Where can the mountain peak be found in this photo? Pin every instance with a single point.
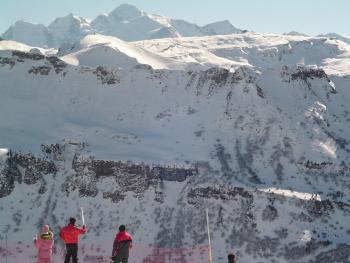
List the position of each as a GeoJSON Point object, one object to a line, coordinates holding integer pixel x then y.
{"type": "Point", "coordinates": [220, 28]}
{"type": "Point", "coordinates": [70, 18]}
{"type": "Point", "coordinates": [21, 22]}
{"type": "Point", "coordinates": [28, 33]}
{"type": "Point", "coordinates": [126, 12]}
{"type": "Point", "coordinates": [295, 33]}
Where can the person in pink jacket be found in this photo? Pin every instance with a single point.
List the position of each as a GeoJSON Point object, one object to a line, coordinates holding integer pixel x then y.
{"type": "Point", "coordinates": [44, 244]}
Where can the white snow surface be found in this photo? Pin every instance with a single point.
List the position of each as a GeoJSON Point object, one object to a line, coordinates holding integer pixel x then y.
{"type": "Point", "coordinates": [96, 50]}
{"type": "Point", "coordinates": [266, 112]}
{"type": "Point", "coordinates": [292, 194]}
{"type": "Point", "coordinates": [75, 100]}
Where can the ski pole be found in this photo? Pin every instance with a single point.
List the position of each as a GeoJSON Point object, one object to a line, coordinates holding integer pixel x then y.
{"type": "Point", "coordinates": [82, 216]}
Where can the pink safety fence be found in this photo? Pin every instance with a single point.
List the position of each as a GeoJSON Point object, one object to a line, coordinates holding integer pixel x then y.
{"type": "Point", "coordinates": [93, 253]}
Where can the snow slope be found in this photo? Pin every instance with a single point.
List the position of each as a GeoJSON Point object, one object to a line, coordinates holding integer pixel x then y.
{"type": "Point", "coordinates": [253, 126]}
{"type": "Point", "coordinates": [99, 50]}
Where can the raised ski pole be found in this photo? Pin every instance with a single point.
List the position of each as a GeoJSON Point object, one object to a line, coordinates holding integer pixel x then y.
{"type": "Point", "coordinates": [82, 216]}
{"type": "Point", "coordinates": [209, 241]}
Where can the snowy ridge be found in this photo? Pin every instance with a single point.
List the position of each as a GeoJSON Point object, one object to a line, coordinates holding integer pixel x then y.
{"type": "Point", "coordinates": [99, 50]}
{"type": "Point", "coordinates": [256, 50]}
{"type": "Point", "coordinates": [295, 33]}
{"type": "Point", "coordinates": [345, 39]}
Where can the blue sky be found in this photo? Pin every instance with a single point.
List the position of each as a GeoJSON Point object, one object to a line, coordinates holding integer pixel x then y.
{"type": "Point", "coordinates": [277, 16]}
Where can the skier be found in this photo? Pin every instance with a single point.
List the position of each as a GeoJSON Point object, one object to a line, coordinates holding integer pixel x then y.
{"type": "Point", "coordinates": [44, 244]}
{"type": "Point", "coordinates": [70, 236]}
{"type": "Point", "coordinates": [231, 258]}
{"type": "Point", "coordinates": [121, 246]}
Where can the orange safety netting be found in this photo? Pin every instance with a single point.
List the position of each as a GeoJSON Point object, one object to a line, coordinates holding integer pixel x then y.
{"type": "Point", "coordinates": [93, 253]}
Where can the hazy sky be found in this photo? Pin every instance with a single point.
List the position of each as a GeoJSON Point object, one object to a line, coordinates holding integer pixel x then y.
{"type": "Point", "coordinates": [277, 16]}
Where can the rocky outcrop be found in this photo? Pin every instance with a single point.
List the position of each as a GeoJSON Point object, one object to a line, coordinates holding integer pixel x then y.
{"type": "Point", "coordinates": [23, 168]}
{"type": "Point", "coordinates": [42, 70]}
{"type": "Point", "coordinates": [215, 78]}
{"type": "Point", "coordinates": [7, 61]}
{"type": "Point", "coordinates": [106, 76]}
{"type": "Point", "coordinates": [27, 55]}
{"type": "Point", "coordinates": [57, 64]}
{"type": "Point", "coordinates": [196, 195]}
{"type": "Point", "coordinates": [308, 73]}
{"type": "Point", "coordinates": [128, 177]}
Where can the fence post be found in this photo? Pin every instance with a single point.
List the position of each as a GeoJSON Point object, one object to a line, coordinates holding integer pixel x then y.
{"type": "Point", "coordinates": [209, 241]}
{"type": "Point", "coordinates": [6, 248]}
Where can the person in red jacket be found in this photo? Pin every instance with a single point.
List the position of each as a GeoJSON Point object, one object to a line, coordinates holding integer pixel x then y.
{"type": "Point", "coordinates": [70, 236]}
{"type": "Point", "coordinates": [121, 246]}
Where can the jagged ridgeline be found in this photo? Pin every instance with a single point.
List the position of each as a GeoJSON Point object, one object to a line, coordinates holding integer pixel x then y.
{"type": "Point", "coordinates": [253, 127]}
{"type": "Point", "coordinates": [125, 22]}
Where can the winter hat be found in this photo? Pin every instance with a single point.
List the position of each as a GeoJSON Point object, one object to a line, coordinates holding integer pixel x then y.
{"type": "Point", "coordinates": [122, 228]}
{"type": "Point", "coordinates": [72, 220]}
{"type": "Point", "coordinates": [45, 229]}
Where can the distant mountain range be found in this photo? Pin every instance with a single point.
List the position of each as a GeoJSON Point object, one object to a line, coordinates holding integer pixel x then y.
{"type": "Point", "coordinates": [345, 39]}
{"type": "Point", "coordinates": [125, 22]}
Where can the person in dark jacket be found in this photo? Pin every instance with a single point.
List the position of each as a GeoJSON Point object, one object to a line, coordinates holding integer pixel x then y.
{"type": "Point", "coordinates": [231, 258]}
{"type": "Point", "coordinates": [121, 246]}
{"type": "Point", "coordinates": [70, 236]}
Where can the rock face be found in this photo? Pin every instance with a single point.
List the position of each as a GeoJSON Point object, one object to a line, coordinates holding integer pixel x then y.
{"type": "Point", "coordinates": [135, 178]}
{"type": "Point", "coordinates": [238, 216]}
{"type": "Point", "coordinates": [24, 168]}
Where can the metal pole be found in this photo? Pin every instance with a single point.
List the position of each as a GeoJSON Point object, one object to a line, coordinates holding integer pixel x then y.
{"type": "Point", "coordinates": [6, 248]}
{"type": "Point", "coordinates": [209, 241]}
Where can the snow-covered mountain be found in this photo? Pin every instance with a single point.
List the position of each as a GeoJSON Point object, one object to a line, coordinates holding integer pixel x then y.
{"type": "Point", "coordinates": [69, 29]}
{"type": "Point", "coordinates": [219, 28]}
{"type": "Point", "coordinates": [343, 38]}
{"type": "Point", "coordinates": [253, 126]}
{"type": "Point", "coordinates": [28, 33]}
{"type": "Point", "coordinates": [295, 33]}
{"type": "Point", "coordinates": [125, 22]}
